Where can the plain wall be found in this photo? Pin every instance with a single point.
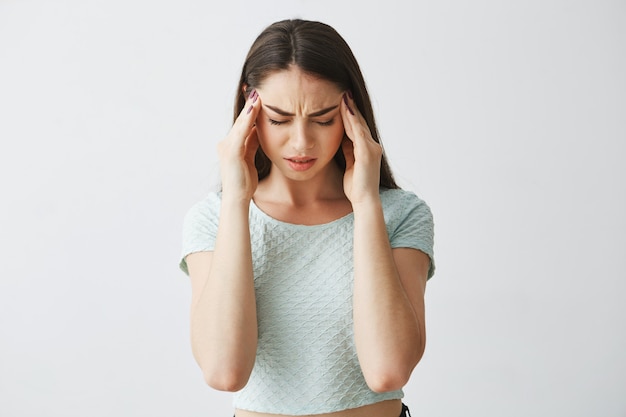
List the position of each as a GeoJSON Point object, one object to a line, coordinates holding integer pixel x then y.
{"type": "Point", "coordinates": [508, 118]}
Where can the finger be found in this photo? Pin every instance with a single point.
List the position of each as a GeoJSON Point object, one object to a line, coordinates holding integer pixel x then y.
{"type": "Point", "coordinates": [247, 117]}
{"type": "Point", "coordinates": [354, 123]}
{"type": "Point", "coordinates": [349, 106]}
{"type": "Point", "coordinates": [345, 117]}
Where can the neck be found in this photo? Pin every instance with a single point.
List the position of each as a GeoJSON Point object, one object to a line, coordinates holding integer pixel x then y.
{"type": "Point", "coordinates": [280, 189]}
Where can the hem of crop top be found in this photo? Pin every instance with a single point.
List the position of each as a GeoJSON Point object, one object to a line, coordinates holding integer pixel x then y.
{"type": "Point", "coordinates": [362, 402]}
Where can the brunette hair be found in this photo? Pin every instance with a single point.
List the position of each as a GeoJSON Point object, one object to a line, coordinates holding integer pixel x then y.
{"type": "Point", "coordinates": [317, 49]}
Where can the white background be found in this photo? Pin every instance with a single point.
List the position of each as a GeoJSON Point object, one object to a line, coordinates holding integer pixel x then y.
{"type": "Point", "coordinates": [508, 118]}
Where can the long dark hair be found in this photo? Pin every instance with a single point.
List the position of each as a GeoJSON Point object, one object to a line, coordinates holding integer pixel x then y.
{"type": "Point", "coordinates": [316, 48]}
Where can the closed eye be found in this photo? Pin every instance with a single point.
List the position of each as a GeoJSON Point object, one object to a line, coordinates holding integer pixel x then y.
{"type": "Point", "coordinates": [276, 122]}
{"type": "Point", "coordinates": [327, 123]}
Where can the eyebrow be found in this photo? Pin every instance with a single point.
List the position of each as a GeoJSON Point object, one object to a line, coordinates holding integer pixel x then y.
{"type": "Point", "coordinates": [314, 114]}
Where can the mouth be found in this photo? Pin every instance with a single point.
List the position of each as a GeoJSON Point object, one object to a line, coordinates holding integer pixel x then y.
{"type": "Point", "coordinates": [300, 163]}
{"type": "Point", "coordinates": [300, 160]}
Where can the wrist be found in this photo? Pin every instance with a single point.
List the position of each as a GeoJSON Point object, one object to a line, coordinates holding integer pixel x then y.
{"type": "Point", "coordinates": [367, 203]}
{"type": "Point", "coordinates": [235, 203]}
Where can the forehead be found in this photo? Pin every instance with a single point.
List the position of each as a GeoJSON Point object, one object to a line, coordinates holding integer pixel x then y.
{"type": "Point", "coordinates": [294, 83]}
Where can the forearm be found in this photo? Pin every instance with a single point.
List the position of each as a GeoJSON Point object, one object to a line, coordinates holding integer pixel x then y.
{"type": "Point", "coordinates": [224, 322]}
{"type": "Point", "coordinates": [388, 333]}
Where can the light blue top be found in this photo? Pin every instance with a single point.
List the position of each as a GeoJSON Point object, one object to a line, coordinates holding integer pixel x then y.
{"type": "Point", "coordinates": [303, 276]}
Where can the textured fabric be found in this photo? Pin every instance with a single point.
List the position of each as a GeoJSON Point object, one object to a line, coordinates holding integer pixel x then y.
{"type": "Point", "coordinates": [404, 413]}
{"type": "Point", "coordinates": [303, 275]}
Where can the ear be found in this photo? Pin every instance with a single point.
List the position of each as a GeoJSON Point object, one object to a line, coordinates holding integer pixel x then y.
{"type": "Point", "coordinates": [244, 89]}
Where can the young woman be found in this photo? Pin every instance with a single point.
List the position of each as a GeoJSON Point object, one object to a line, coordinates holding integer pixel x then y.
{"type": "Point", "coordinates": [309, 267]}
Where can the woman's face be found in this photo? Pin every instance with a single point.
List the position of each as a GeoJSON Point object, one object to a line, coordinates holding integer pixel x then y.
{"type": "Point", "coordinates": [299, 125]}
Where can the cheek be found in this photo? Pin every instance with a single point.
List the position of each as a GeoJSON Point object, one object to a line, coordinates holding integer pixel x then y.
{"type": "Point", "coordinates": [268, 134]}
{"type": "Point", "coordinates": [263, 127]}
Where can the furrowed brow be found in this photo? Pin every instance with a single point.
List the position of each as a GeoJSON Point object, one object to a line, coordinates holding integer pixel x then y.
{"type": "Point", "coordinates": [279, 111]}
{"type": "Point", "coordinates": [323, 111]}
{"type": "Point", "coordinates": [314, 114]}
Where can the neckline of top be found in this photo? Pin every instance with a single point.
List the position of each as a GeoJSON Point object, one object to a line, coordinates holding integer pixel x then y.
{"type": "Point", "coordinates": [274, 220]}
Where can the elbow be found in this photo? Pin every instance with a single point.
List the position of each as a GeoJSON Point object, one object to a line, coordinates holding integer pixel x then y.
{"type": "Point", "coordinates": [391, 376]}
{"type": "Point", "coordinates": [387, 381]}
{"type": "Point", "coordinates": [230, 380]}
{"type": "Point", "coordinates": [225, 371]}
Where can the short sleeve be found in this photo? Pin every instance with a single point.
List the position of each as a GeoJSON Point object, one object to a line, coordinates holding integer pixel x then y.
{"type": "Point", "coordinates": [200, 228]}
{"type": "Point", "coordinates": [411, 225]}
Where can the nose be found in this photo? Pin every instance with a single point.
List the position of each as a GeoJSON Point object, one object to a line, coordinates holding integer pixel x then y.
{"type": "Point", "coordinates": [301, 140]}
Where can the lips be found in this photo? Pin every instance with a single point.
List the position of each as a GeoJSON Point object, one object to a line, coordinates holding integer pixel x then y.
{"type": "Point", "coordinates": [300, 163]}
{"type": "Point", "coordinates": [300, 160]}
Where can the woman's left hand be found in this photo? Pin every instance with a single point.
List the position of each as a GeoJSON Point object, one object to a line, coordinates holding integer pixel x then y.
{"type": "Point", "coordinates": [363, 155]}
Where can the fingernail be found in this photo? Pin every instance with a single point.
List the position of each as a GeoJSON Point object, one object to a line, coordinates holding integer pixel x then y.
{"type": "Point", "coordinates": [252, 95]}
{"type": "Point", "coordinates": [249, 110]}
{"type": "Point", "coordinates": [350, 94]}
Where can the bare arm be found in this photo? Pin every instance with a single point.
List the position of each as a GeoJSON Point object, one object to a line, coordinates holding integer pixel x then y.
{"type": "Point", "coordinates": [389, 284]}
{"type": "Point", "coordinates": [223, 306]}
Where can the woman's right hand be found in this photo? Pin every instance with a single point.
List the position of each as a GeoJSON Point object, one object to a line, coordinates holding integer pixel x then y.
{"type": "Point", "coordinates": [236, 154]}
